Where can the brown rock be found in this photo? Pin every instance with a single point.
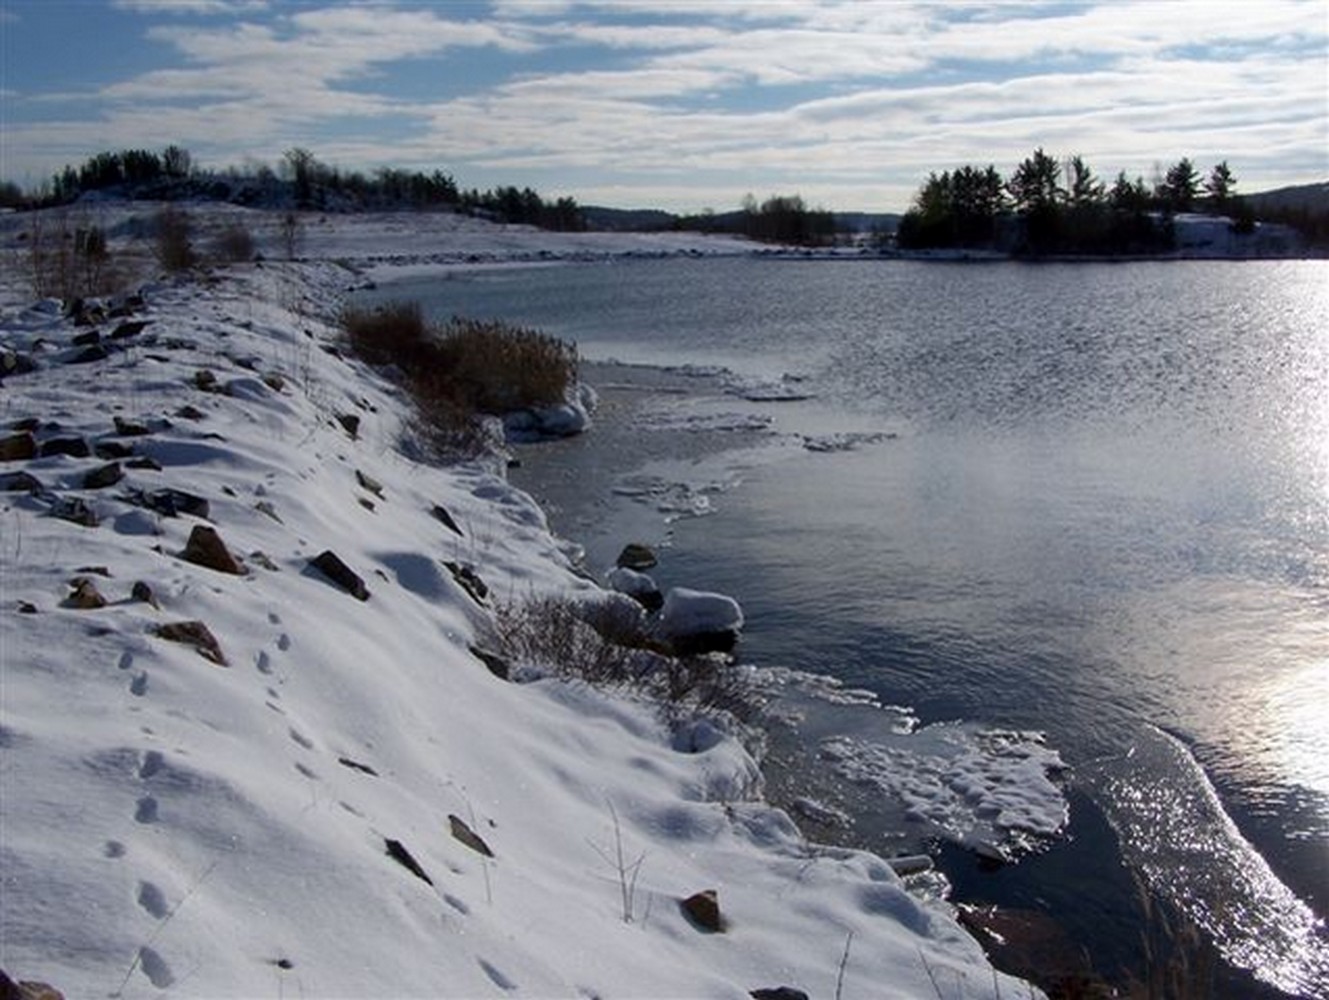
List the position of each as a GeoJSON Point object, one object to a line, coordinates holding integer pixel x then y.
{"type": "Point", "coordinates": [330, 565]}
{"type": "Point", "coordinates": [703, 909]}
{"type": "Point", "coordinates": [103, 476]}
{"type": "Point", "coordinates": [143, 592]}
{"type": "Point", "coordinates": [84, 595]}
{"type": "Point", "coordinates": [206, 548]}
{"type": "Point", "coordinates": [131, 428]}
{"type": "Point", "coordinates": [196, 634]}
{"type": "Point", "coordinates": [350, 424]}
{"type": "Point", "coordinates": [18, 447]}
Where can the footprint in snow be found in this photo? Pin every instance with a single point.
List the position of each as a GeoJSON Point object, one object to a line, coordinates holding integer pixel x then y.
{"type": "Point", "coordinates": [283, 642]}
{"type": "Point", "coordinates": [146, 810]}
{"type": "Point", "coordinates": [126, 660]}
{"type": "Point", "coordinates": [150, 764]}
{"type": "Point", "coordinates": [155, 968]}
{"type": "Point", "coordinates": [274, 618]}
{"type": "Point", "coordinates": [457, 904]}
{"type": "Point", "coordinates": [496, 975]}
{"type": "Point", "coordinates": [263, 662]}
{"type": "Point", "coordinates": [113, 849]}
{"type": "Point", "coordinates": [302, 739]}
{"type": "Point", "coordinates": [153, 900]}
{"type": "Point", "coordinates": [138, 687]}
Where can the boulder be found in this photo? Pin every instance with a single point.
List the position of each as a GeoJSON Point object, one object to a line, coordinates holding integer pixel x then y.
{"type": "Point", "coordinates": [18, 447]}
{"type": "Point", "coordinates": [694, 621]}
{"type": "Point", "coordinates": [206, 548]}
{"type": "Point", "coordinates": [350, 423]}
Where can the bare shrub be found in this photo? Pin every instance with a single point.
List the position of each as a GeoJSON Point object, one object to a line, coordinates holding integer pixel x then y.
{"type": "Point", "coordinates": [577, 640]}
{"type": "Point", "coordinates": [174, 244]}
{"type": "Point", "coordinates": [234, 244]}
{"type": "Point", "coordinates": [292, 233]}
{"type": "Point", "coordinates": [68, 258]}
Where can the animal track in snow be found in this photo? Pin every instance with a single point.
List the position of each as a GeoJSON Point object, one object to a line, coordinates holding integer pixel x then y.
{"type": "Point", "coordinates": [496, 975]}
{"type": "Point", "coordinates": [150, 764]}
{"type": "Point", "coordinates": [113, 849]}
{"type": "Point", "coordinates": [155, 968]}
{"type": "Point", "coordinates": [146, 810]}
{"type": "Point", "coordinates": [263, 662]}
{"type": "Point", "coordinates": [138, 687]}
{"type": "Point", "coordinates": [126, 660]}
{"type": "Point", "coordinates": [283, 642]}
{"type": "Point", "coordinates": [456, 904]}
{"type": "Point", "coordinates": [153, 900]}
{"type": "Point", "coordinates": [301, 739]}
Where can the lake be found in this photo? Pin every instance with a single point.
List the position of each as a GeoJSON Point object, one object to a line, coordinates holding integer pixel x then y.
{"type": "Point", "coordinates": [1084, 501]}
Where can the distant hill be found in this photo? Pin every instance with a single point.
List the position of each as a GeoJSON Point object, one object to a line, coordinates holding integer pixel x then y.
{"type": "Point", "coordinates": [646, 220]}
{"type": "Point", "coordinates": [627, 220]}
{"type": "Point", "coordinates": [1302, 197]}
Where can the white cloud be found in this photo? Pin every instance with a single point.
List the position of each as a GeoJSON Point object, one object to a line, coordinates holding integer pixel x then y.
{"type": "Point", "coordinates": [208, 7]}
{"type": "Point", "coordinates": [855, 96]}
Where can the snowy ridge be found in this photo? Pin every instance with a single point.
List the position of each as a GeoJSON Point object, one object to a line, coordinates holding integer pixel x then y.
{"type": "Point", "coordinates": [171, 826]}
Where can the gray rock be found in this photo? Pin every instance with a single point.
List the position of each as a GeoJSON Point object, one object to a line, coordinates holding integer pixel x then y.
{"type": "Point", "coordinates": [74, 447]}
{"type": "Point", "coordinates": [19, 482]}
{"type": "Point", "coordinates": [469, 837]}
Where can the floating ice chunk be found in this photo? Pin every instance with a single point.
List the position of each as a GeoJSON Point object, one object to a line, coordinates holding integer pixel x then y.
{"type": "Point", "coordinates": [992, 791]}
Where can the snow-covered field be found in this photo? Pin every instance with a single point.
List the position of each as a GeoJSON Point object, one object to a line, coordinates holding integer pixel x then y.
{"type": "Point", "coordinates": [240, 821]}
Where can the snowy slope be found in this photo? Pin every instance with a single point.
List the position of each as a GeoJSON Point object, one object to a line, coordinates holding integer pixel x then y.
{"type": "Point", "coordinates": [172, 826]}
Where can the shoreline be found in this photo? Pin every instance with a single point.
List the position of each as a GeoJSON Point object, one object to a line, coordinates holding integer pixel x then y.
{"type": "Point", "coordinates": [214, 787]}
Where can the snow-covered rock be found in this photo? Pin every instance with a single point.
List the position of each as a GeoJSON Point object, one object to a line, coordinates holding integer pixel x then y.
{"type": "Point", "coordinates": [697, 621]}
{"type": "Point", "coordinates": [641, 587]}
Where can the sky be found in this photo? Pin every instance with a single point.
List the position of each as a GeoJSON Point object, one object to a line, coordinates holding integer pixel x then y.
{"type": "Point", "coordinates": [678, 104]}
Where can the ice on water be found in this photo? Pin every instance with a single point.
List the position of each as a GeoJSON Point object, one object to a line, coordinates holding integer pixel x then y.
{"type": "Point", "coordinates": [993, 791]}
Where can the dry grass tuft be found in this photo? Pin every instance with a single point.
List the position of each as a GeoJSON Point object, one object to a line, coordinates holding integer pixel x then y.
{"type": "Point", "coordinates": [462, 369]}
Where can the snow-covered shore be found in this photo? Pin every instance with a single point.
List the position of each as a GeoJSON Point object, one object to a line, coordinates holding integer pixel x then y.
{"type": "Point", "coordinates": [242, 820]}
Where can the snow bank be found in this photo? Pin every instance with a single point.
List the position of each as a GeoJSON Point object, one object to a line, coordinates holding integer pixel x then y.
{"type": "Point", "coordinates": [337, 797]}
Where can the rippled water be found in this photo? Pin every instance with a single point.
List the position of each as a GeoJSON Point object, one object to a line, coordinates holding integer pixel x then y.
{"type": "Point", "coordinates": [1096, 505]}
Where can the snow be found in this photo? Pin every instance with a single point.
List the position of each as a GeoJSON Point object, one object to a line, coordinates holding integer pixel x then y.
{"type": "Point", "coordinates": [173, 827]}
